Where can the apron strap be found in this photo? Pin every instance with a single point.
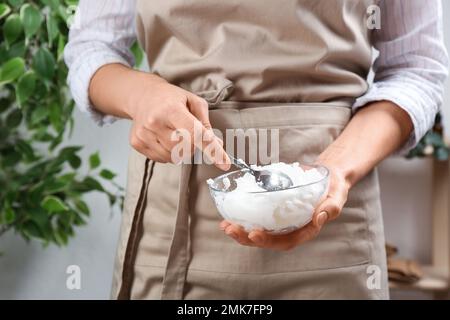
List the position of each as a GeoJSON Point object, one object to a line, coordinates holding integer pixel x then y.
{"type": "Point", "coordinates": [135, 234]}
{"type": "Point", "coordinates": [178, 259]}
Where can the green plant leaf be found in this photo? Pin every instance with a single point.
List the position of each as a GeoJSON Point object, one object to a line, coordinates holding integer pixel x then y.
{"type": "Point", "coordinates": [53, 204]}
{"type": "Point", "coordinates": [75, 161]}
{"type": "Point", "coordinates": [4, 105]}
{"type": "Point", "coordinates": [78, 219]}
{"type": "Point", "coordinates": [12, 29]}
{"type": "Point", "coordinates": [31, 19]}
{"type": "Point", "coordinates": [89, 184]}
{"type": "Point", "coordinates": [32, 230]}
{"type": "Point", "coordinates": [40, 217]}
{"type": "Point", "coordinates": [11, 70]}
{"type": "Point", "coordinates": [70, 150]}
{"type": "Point", "coordinates": [67, 152]}
{"type": "Point", "coordinates": [52, 28]}
{"type": "Point", "coordinates": [14, 119]}
{"type": "Point", "coordinates": [53, 4]}
{"type": "Point", "coordinates": [441, 153]}
{"type": "Point", "coordinates": [138, 54]}
{"type": "Point", "coordinates": [11, 159]}
{"type": "Point", "coordinates": [15, 3]}
{"type": "Point", "coordinates": [4, 10]}
{"type": "Point", "coordinates": [68, 177]}
{"type": "Point", "coordinates": [54, 186]}
{"type": "Point", "coordinates": [71, 2]}
{"type": "Point", "coordinates": [44, 63]}
{"type": "Point", "coordinates": [26, 86]}
{"type": "Point", "coordinates": [112, 199]}
{"type": "Point", "coordinates": [61, 46]}
{"type": "Point", "coordinates": [4, 52]}
{"type": "Point", "coordinates": [9, 215]}
{"type": "Point", "coordinates": [17, 50]}
{"type": "Point", "coordinates": [94, 160]}
{"type": "Point", "coordinates": [55, 117]}
{"type": "Point", "coordinates": [107, 174]}
{"type": "Point", "coordinates": [82, 206]}
{"type": "Point", "coordinates": [435, 139]}
{"type": "Point", "coordinates": [25, 149]}
{"type": "Point", "coordinates": [61, 238]}
{"type": "Point", "coordinates": [38, 115]}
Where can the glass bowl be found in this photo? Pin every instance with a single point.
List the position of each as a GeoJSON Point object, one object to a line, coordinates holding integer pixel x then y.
{"type": "Point", "coordinates": [277, 212]}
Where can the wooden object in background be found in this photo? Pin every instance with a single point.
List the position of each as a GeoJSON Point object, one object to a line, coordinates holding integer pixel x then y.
{"type": "Point", "coordinates": [436, 278]}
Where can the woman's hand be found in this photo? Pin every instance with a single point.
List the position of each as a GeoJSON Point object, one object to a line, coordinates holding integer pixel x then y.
{"type": "Point", "coordinates": [329, 209]}
{"type": "Point", "coordinates": [158, 110]}
{"type": "Point", "coordinates": [373, 133]}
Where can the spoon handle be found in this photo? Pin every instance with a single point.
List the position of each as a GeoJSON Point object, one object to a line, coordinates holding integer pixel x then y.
{"type": "Point", "coordinates": [239, 163]}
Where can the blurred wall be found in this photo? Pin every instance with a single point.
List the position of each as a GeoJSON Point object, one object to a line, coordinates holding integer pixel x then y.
{"type": "Point", "coordinates": [28, 271]}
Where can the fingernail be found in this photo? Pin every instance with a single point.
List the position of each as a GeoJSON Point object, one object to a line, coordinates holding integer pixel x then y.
{"type": "Point", "coordinates": [256, 239]}
{"type": "Point", "coordinates": [322, 218]}
{"type": "Point", "coordinates": [224, 166]}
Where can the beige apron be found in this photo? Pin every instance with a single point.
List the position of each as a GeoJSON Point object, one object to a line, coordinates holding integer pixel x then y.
{"type": "Point", "coordinates": [296, 66]}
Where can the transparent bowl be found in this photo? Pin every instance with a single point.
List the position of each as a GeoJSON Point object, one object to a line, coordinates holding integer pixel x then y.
{"type": "Point", "coordinates": [277, 212]}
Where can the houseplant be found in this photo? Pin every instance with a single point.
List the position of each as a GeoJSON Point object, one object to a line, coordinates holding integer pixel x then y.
{"type": "Point", "coordinates": [433, 143]}
{"type": "Point", "coordinates": [41, 183]}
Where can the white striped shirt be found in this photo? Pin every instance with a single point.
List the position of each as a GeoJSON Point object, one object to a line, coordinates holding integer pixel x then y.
{"type": "Point", "coordinates": [410, 70]}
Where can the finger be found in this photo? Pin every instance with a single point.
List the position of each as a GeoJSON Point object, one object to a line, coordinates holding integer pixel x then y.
{"type": "Point", "coordinates": [331, 207]}
{"type": "Point", "coordinates": [321, 217]}
{"type": "Point", "coordinates": [200, 109]}
{"type": "Point", "coordinates": [263, 239]}
{"type": "Point", "coordinates": [152, 139]}
{"type": "Point", "coordinates": [307, 233]}
{"type": "Point", "coordinates": [182, 148]}
{"type": "Point", "coordinates": [169, 140]}
{"type": "Point", "coordinates": [223, 225]}
{"type": "Point", "coordinates": [239, 234]}
{"type": "Point", "coordinates": [147, 144]}
{"type": "Point", "coordinates": [202, 138]}
{"type": "Point", "coordinates": [157, 153]}
{"type": "Point", "coordinates": [284, 242]}
{"type": "Point", "coordinates": [213, 149]}
{"type": "Point", "coordinates": [151, 154]}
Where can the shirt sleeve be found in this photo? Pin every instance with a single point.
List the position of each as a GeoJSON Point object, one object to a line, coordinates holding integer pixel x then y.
{"type": "Point", "coordinates": [102, 33]}
{"type": "Point", "coordinates": [412, 64]}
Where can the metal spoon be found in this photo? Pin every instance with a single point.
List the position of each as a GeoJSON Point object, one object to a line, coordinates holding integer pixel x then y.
{"type": "Point", "coordinates": [269, 180]}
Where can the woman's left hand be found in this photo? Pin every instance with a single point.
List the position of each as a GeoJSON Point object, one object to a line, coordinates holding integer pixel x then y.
{"type": "Point", "coordinates": [329, 209]}
{"type": "Point", "coordinates": [373, 133]}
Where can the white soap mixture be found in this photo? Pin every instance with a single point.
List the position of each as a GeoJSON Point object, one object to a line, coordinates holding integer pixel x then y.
{"type": "Point", "coordinates": [292, 208]}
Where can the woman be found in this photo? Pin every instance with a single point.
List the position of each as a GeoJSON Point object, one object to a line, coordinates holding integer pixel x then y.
{"type": "Point", "coordinates": [297, 66]}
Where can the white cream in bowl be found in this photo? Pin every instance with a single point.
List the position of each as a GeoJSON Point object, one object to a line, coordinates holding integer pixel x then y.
{"type": "Point", "coordinates": [239, 199]}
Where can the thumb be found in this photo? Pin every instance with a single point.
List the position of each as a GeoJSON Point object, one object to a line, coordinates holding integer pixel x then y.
{"type": "Point", "coordinates": [329, 209]}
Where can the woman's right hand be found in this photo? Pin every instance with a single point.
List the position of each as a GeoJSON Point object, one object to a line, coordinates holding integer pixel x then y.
{"type": "Point", "coordinates": [158, 109]}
